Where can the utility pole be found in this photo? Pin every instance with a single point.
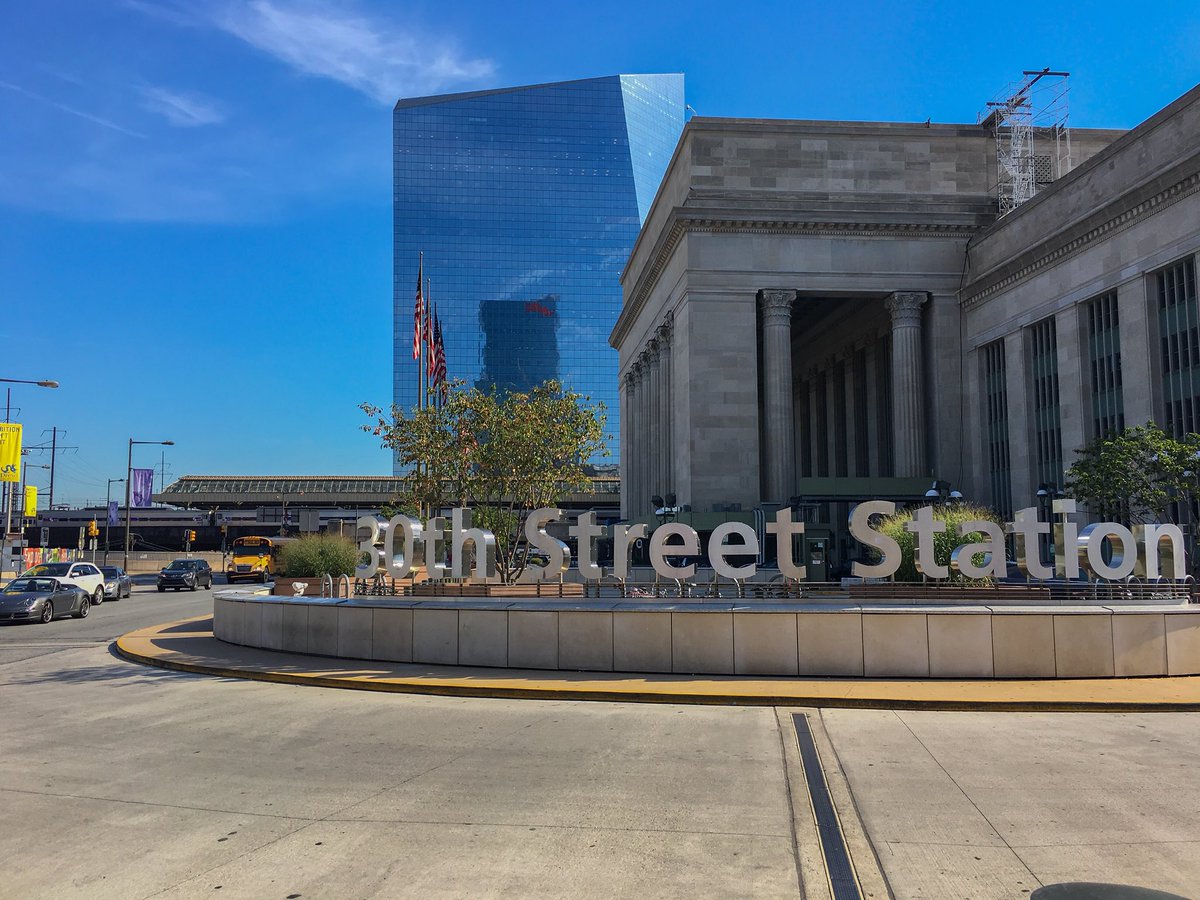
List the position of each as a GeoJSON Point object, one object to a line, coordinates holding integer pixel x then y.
{"type": "Point", "coordinates": [53, 455]}
{"type": "Point", "coordinates": [54, 451]}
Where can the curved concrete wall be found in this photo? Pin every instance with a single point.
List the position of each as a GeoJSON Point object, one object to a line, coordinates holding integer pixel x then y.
{"type": "Point", "coordinates": [726, 638]}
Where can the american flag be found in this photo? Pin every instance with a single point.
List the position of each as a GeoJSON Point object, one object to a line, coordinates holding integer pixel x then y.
{"type": "Point", "coordinates": [418, 311]}
{"type": "Point", "coordinates": [429, 345]}
{"type": "Point", "coordinates": [439, 353]}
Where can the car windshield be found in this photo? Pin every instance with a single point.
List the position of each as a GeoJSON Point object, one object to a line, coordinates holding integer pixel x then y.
{"type": "Point", "coordinates": [185, 564]}
{"type": "Point", "coordinates": [111, 571]}
{"type": "Point", "coordinates": [30, 586]}
{"type": "Point", "coordinates": [242, 550]}
{"type": "Point", "coordinates": [56, 569]}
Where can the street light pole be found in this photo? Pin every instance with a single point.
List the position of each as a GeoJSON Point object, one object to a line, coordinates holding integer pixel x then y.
{"type": "Point", "coordinates": [107, 518]}
{"type": "Point", "coordinates": [128, 489]}
{"type": "Point", "coordinates": [8, 488]}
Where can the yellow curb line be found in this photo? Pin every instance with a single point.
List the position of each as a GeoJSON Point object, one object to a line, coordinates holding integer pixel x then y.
{"type": "Point", "coordinates": [555, 690]}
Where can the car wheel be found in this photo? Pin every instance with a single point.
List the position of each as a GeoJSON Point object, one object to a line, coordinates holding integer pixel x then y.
{"type": "Point", "coordinates": [161, 589]}
{"type": "Point", "coordinates": [129, 591]}
{"type": "Point", "coordinates": [195, 585]}
{"type": "Point", "coordinates": [47, 613]}
{"type": "Point", "coordinates": [98, 596]}
{"type": "Point", "coordinates": [85, 606]}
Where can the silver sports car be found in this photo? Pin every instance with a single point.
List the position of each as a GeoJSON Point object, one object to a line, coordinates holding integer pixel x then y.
{"type": "Point", "coordinates": [41, 600]}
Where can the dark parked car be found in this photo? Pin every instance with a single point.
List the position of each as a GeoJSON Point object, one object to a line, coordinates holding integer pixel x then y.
{"type": "Point", "coordinates": [186, 573]}
{"type": "Point", "coordinates": [117, 583]}
{"type": "Point", "coordinates": [42, 599]}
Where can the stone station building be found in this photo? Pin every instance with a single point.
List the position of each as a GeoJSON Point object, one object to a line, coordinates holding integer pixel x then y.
{"type": "Point", "coordinates": [818, 312]}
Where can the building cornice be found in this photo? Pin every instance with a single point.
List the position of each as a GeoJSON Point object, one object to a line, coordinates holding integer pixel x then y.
{"type": "Point", "coordinates": [1122, 214]}
{"type": "Point", "coordinates": [684, 221]}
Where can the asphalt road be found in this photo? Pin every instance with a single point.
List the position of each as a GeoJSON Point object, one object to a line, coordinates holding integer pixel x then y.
{"type": "Point", "coordinates": [105, 622]}
{"type": "Point", "coordinates": [119, 780]}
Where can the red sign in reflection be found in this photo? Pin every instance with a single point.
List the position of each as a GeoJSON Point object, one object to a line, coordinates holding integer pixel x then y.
{"type": "Point", "coordinates": [535, 306]}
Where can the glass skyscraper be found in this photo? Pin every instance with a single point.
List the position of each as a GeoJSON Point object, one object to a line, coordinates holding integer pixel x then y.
{"type": "Point", "coordinates": [526, 202]}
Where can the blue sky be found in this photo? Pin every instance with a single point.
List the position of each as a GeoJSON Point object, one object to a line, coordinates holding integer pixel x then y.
{"type": "Point", "coordinates": [195, 232]}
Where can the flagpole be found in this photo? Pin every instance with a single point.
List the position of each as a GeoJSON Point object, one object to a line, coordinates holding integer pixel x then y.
{"type": "Point", "coordinates": [416, 332]}
{"type": "Point", "coordinates": [425, 327]}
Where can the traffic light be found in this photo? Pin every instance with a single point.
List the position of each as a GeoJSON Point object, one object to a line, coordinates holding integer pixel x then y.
{"type": "Point", "coordinates": [93, 530]}
{"type": "Point", "coordinates": [192, 535]}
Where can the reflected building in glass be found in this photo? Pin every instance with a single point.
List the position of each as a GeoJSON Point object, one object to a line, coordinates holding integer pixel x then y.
{"type": "Point", "coordinates": [526, 202]}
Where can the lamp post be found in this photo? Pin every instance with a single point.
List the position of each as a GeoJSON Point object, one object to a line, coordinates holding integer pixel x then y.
{"type": "Point", "coordinates": [7, 497]}
{"type": "Point", "coordinates": [664, 508]}
{"type": "Point", "coordinates": [107, 520]}
{"type": "Point", "coordinates": [1047, 493]}
{"type": "Point", "coordinates": [46, 383]}
{"type": "Point", "coordinates": [942, 492]}
{"type": "Point", "coordinates": [128, 487]}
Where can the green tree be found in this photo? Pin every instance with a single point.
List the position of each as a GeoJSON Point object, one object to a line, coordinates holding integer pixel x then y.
{"type": "Point", "coordinates": [1132, 476]}
{"type": "Point", "coordinates": [501, 454]}
{"type": "Point", "coordinates": [944, 542]}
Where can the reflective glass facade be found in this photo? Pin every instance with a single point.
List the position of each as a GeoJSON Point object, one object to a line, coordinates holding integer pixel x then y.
{"type": "Point", "coordinates": [526, 203]}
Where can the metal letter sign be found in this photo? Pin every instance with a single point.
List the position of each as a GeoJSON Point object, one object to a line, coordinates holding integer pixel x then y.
{"type": "Point", "coordinates": [394, 547]}
{"type": "Point", "coordinates": [10, 451]}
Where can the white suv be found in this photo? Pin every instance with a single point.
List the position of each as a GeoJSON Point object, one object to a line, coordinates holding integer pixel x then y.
{"type": "Point", "coordinates": [79, 574]}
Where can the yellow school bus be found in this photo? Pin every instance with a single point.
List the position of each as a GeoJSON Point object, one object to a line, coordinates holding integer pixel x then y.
{"type": "Point", "coordinates": [254, 559]}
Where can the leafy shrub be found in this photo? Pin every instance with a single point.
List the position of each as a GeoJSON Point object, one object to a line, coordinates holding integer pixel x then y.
{"type": "Point", "coordinates": [944, 542]}
{"type": "Point", "coordinates": [315, 555]}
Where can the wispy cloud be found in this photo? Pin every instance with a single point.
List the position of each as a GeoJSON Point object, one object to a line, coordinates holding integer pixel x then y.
{"type": "Point", "coordinates": [378, 58]}
{"type": "Point", "coordinates": [184, 110]}
{"type": "Point", "coordinates": [16, 88]}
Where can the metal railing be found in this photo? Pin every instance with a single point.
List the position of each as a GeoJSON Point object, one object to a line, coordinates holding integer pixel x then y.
{"type": "Point", "coordinates": [1131, 591]}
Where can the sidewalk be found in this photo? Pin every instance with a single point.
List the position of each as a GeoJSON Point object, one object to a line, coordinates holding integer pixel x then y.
{"type": "Point", "coordinates": [189, 646]}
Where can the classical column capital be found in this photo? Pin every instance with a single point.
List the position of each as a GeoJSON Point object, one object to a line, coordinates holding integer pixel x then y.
{"type": "Point", "coordinates": [776, 307]}
{"type": "Point", "coordinates": [905, 307]}
{"type": "Point", "coordinates": [666, 331]}
{"type": "Point", "coordinates": [651, 352]}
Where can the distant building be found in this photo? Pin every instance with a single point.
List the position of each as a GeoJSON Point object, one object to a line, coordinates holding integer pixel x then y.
{"type": "Point", "coordinates": [816, 312]}
{"type": "Point", "coordinates": [527, 199]}
{"type": "Point", "coordinates": [520, 343]}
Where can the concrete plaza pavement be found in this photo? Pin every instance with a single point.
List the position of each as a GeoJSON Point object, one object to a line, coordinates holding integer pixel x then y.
{"type": "Point", "coordinates": [120, 780]}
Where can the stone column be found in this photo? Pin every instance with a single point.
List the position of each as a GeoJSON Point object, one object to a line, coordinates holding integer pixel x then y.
{"type": "Point", "coordinates": [654, 444]}
{"type": "Point", "coordinates": [636, 439]}
{"type": "Point", "coordinates": [643, 501]}
{"type": "Point", "coordinates": [647, 434]}
{"type": "Point", "coordinates": [626, 450]}
{"type": "Point", "coordinates": [666, 451]}
{"type": "Point", "coordinates": [815, 435]}
{"type": "Point", "coordinates": [832, 412]}
{"type": "Point", "coordinates": [872, 435]}
{"type": "Point", "coordinates": [1139, 351]}
{"type": "Point", "coordinates": [851, 413]}
{"type": "Point", "coordinates": [908, 397]}
{"type": "Point", "coordinates": [780, 434]}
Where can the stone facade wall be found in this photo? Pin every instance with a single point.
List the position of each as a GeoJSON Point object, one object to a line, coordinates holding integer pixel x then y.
{"type": "Point", "coordinates": [834, 211]}
{"type": "Point", "coordinates": [1108, 226]}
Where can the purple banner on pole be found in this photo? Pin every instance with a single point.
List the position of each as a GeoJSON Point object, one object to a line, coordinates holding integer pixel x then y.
{"type": "Point", "coordinates": [142, 487]}
{"type": "Point", "coordinates": [112, 512]}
